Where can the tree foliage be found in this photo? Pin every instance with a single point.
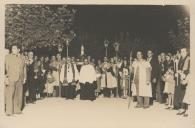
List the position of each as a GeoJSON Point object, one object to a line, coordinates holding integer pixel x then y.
{"type": "Point", "coordinates": [32, 26]}
{"type": "Point", "coordinates": [180, 37]}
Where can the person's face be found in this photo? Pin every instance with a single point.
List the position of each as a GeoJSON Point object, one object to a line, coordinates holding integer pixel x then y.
{"type": "Point", "coordinates": [149, 53]}
{"type": "Point", "coordinates": [99, 62]}
{"type": "Point", "coordinates": [30, 55]}
{"type": "Point", "coordinates": [39, 63]}
{"type": "Point", "coordinates": [73, 59]}
{"type": "Point", "coordinates": [93, 60]}
{"type": "Point", "coordinates": [15, 50]}
{"type": "Point", "coordinates": [105, 59]}
{"type": "Point", "coordinates": [26, 53]}
{"type": "Point", "coordinates": [85, 61]}
{"type": "Point", "coordinates": [58, 56]}
{"type": "Point", "coordinates": [139, 55]}
{"type": "Point", "coordinates": [68, 60]}
{"type": "Point", "coordinates": [42, 58]}
{"type": "Point", "coordinates": [125, 62]}
{"type": "Point", "coordinates": [168, 58]}
{"type": "Point", "coordinates": [163, 56]}
{"type": "Point", "coordinates": [53, 58]}
{"type": "Point", "coordinates": [183, 52]}
{"type": "Point", "coordinates": [88, 57]}
{"type": "Point", "coordinates": [159, 58]}
{"type": "Point", "coordinates": [111, 60]}
{"type": "Point", "coordinates": [36, 58]}
{"type": "Point", "coordinates": [64, 59]}
{"type": "Point", "coordinates": [46, 58]}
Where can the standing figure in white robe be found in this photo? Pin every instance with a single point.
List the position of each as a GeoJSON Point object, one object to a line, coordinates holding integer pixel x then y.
{"type": "Point", "coordinates": [112, 78]}
{"type": "Point", "coordinates": [142, 81]}
{"type": "Point", "coordinates": [124, 81]}
{"type": "Point", "coordinates": [54, 65]}
{"type": "Point", "coordinates": [69, 75]}
{"type": "Point", "coordinates": [104, 67]}
{"type": "Point", "coordinates": [87, 79]}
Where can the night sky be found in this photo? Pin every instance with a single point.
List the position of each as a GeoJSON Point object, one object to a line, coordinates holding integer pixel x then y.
{"type": "Point", "coordinates": [147, 22]}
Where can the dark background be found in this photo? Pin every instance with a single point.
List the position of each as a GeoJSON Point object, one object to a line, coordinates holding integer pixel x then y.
{"type": "Point", "coordinates": [100, 22]}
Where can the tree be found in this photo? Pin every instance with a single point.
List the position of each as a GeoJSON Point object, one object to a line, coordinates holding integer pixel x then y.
{"type": "Point", "coordinates": [180, 38]}
{"type": "Point", "coordinates": [30, 26]}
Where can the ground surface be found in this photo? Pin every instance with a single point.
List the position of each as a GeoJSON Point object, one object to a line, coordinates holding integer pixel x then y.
{"type": "Point", "coordinates": [102, 113]}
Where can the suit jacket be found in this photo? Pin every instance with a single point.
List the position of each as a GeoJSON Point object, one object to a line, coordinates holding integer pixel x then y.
{"type": "Point", "coordinates": [15, 67]}
{"type": "Point", "coordinates": [154, 65]}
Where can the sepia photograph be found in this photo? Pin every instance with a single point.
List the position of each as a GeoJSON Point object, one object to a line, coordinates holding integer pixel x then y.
{"type": "Point", "coordinates": [105, 66]}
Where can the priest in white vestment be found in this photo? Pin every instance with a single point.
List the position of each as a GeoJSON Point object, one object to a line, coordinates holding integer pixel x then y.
{"type": "Point", "coordinates": [87, 79]}
{"type": "Point", "coordinates": [69, 75]}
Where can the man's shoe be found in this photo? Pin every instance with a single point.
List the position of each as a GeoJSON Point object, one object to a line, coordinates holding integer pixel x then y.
{"type": "Point", "coordinates": [9, 114]}
{"type": "Point", "coordinates": [137, 106]}
{"type": "Point", "coordinates": [18, 113]}
{"type": "Point", "coordinates": [145, 107]}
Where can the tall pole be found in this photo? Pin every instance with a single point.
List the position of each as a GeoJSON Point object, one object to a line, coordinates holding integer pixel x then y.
{"type": "Point", "coordinates": [60, 51]}
{"type": "Point", "coordinates": [67, 51]}
{"type": "Point", "coordinates": [60, 91]}
{"type": "Point", "coordinates": [106, 43]}
{"type": "Point", "coordinates": [106, 52]}
{"type": "Point", "coordinates": [116, 47]}
{"type": "Point", "coordinates": [117, 95]}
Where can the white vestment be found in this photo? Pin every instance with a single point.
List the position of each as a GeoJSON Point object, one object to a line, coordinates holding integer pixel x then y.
{"type": "Point", "coordinates": [87, 74]}
{"type": "Point", "coordinates": [69, 73]}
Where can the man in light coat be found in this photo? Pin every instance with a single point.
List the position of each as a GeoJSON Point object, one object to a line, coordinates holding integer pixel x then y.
{"type": "Point", "coordinates": [15, 72]}
{"type": "Point", "coordinates": [142, 81]}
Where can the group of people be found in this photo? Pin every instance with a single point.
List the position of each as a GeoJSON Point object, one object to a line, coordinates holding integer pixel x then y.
{"type": "Point", "coordinates": [163, 79]}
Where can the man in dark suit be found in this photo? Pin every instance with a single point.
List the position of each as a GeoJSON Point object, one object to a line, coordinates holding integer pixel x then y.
{"type": "Point", "coordinates": [15, 72]}
{"type": "Point", "coordinates": [153, 63]}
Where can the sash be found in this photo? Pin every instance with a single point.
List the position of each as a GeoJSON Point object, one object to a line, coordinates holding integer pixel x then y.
{"type": "Point", "coordinates": [65, 74]}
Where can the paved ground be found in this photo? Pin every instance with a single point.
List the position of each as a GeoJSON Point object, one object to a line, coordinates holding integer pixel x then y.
{"type": "Point", "coordinates": [102, 113]}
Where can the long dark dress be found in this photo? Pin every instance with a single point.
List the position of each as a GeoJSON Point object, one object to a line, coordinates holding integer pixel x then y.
{"type": "Point", "coordinates": [30, 82]}
{"type": "Point", "coordinates": [160, 83]}
{"type": "Point", "coordinates": [180, 89]}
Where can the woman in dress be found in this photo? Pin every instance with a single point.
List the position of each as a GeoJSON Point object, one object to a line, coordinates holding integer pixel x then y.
{"type": "Point", "coordinates": [112, 78]}
{"type": "Point", "coordinates": [49, 83]}
{"type": "Point", "coordinates": [188, 96]}
{"type": "Point", "coordinates": [124, 82]}
{"type": "Point", "coordinates": [54, 67]}
{"type": "Point", "coordinates": [169, 81]}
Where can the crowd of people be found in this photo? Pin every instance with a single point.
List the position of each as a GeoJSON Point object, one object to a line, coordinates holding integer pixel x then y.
{"type": "Point", "coordinates": [163, 79]}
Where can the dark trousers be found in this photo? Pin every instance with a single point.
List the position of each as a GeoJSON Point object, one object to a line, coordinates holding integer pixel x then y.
{"type": "Point", "coordinates": [179, 95]}
{"type": "Point", "coordinates": [70, 91]}
{"type": "Point", "coordinates": [159, 92]}
{"type": "Point", "coordinates": [143, 101]}
{"type": "Point", "coordinates": [107, 92]}
{"type": "Point", "coordinates": [31, 87]}
{"type": "Point", "coordinates": [153, 94]}
{"type": "Point", "coordinates": [56, 91]}
{"type": "Point", "coordinates": [87, 91]}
